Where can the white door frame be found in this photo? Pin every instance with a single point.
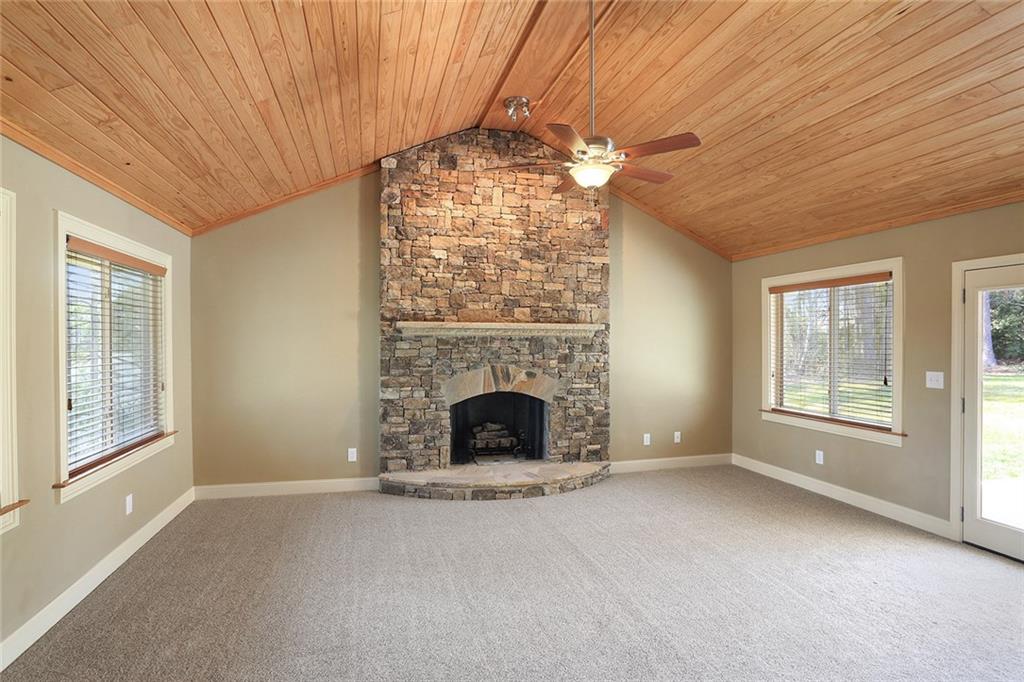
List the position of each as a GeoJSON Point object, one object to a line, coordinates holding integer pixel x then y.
{"type": "Point", "coordinates": [956, 383]}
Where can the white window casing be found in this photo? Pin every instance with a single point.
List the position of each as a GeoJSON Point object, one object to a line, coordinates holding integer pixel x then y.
{"type": "Point", "coordinates": [69, 227]}
{"type": "Point", "coordinates": [8, 384]}
{"type": "Point", "coordinates": [885, 431]}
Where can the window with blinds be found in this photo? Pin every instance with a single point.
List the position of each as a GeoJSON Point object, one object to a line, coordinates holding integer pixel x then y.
{"type": "Point", "coordinates": [832, 349]}
{"type": "Point", "coordinates": [115, 354]}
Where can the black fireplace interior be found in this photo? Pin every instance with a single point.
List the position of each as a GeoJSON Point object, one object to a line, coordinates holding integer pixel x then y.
{"type": "Point", "coordinates": [502, 425]}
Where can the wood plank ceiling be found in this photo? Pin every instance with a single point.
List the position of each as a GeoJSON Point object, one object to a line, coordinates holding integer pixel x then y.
{"type": "Point", "coordinates": [820, 120]}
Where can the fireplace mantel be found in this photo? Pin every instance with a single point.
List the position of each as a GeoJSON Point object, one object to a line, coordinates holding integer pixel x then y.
{"type": "Point", "coordinates": [517, 329]}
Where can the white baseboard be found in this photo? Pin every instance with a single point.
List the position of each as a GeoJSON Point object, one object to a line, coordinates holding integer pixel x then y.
{"type": "Point", "coordinates": [911, 517]}
{"type": "Point", "coordinates": [629, 466]}
{"type": "Point", "coordinates": [22, 638]}
{"type": "Point", "coordinates": [326, 485]}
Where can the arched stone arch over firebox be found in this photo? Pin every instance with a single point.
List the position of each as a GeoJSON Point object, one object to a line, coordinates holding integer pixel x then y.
{"type": "Point", "coordinates": [495, 378]}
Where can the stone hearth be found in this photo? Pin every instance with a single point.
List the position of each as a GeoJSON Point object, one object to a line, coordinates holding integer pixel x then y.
{"type": "Point", "coordinates": [494, 482]}
{"type": "Point", "coordinates": [490, 282]}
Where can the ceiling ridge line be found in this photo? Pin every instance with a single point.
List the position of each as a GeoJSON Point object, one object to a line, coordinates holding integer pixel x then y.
{"type": "Point", "coordinates": [584, 44]}
{"type": "Point", "coordinates": [570, 98]}
{"type": "Point", "coordinates": [517, 51]}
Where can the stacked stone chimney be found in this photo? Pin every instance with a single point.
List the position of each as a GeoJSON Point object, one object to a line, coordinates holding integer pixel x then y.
{"type": "Point", "coordinates": [460, 243]}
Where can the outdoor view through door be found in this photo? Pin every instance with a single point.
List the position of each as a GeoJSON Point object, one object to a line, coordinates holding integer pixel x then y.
{"type": "Point", "coordinates": [994, 409]}
{"type": "Point", "coordinates": [1002, 456]}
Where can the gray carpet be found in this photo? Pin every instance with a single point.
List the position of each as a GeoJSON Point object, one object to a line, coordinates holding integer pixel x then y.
{"type": "Point", "coordinates": [699, 573]}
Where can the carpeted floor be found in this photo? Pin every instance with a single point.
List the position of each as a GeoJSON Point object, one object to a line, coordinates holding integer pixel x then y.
{"type": "Point", "coordinates": [695, 573]}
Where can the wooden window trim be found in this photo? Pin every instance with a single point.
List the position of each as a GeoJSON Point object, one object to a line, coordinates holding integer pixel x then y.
{"type": "Point", "coordinates": [853, 280]}
{"type": "Point", "coordinates": [110, 458]}
{"type": "Point", "coordinates": [7, 509]}
{"type": "Point", "coordinates": [834, 420]}
{"type": "Point", "coordinates": [79, 245]}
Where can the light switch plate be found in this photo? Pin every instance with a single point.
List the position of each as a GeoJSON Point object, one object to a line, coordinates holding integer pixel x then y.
{"type": "Point", "coordinates": [934, 379]}
{"type": "Point", "coordinates": [647, 439]}
{"type": "Point", "coordinates": [819, 456]}
{"type": "Point", "coordinates": [352, 454]}
{"type": "Point", "coordinates": [677, 437]}
{"type": "Point", "coordinates": [129, 503]}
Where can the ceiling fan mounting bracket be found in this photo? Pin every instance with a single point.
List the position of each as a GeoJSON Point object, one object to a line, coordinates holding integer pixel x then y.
{"type": "Point", "coordinates": [517, 105]}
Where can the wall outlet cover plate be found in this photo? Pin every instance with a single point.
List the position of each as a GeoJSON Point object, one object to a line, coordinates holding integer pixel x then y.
{"type": "Point", "coordinates": [934, 379]}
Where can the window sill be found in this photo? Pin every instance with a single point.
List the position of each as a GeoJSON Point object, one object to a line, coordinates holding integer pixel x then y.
{"type": "Point", "coordinates": [90, 479]}
{"type": "Point", "coordinates": [10, 515]}
{"type": "Point", "coordinates": [890, 438]}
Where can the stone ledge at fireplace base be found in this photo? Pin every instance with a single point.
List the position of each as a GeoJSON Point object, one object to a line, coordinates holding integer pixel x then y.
{"type": "Point", "coordinates": [495, 481]}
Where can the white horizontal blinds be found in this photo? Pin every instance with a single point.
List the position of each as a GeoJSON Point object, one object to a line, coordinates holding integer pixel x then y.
{"type": "Point", "coordinates": [832, 348]}
{"type": "Point", "coordinates": [115, 354]}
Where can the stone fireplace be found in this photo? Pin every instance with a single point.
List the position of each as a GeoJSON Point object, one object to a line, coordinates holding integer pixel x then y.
{"type": "Point", "coordinates": [494, 309]}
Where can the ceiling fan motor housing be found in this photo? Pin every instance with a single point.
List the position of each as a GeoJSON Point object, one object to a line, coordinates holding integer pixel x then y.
{"type": "Point", "coordinates": [599, 146]}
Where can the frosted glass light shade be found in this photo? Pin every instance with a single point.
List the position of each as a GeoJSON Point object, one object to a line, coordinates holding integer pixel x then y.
{"type": "Point", "coordinates": [591, 174]}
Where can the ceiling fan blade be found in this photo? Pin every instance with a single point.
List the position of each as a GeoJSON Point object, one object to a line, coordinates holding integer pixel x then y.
{"type": "Point", "coordinates": [569, 137]}
{"type": "Point", "coordinates": [647, 174]}
{"type": "Point", "coordinates": [665, 144]}
{"type": "Point", "coordinates": [526, 166]}
{"type": "Point", "coordinates": [567, 185]}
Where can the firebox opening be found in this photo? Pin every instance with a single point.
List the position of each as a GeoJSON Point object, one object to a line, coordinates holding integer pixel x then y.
{"type": "Point", "coordinates": [502, 426]}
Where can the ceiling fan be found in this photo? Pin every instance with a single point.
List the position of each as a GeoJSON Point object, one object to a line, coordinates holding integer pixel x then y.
{"type": "Point", "coordinates": [595, 158]}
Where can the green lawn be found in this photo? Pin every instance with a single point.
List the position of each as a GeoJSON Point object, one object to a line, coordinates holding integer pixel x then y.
{"type": "Point", "coordinates": [1002, 416]}
{"type": "Point", "coordinates": [1003, 426]}
{"type": "Point", "coordinates": [861, 401]}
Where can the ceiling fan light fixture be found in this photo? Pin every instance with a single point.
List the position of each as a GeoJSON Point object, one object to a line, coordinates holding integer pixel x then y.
{"type": "Point", "coordinates": [592, 174]}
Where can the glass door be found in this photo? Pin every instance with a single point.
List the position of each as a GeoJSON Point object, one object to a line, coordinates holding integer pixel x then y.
{"type": "Point", "coordinates": [993, 409]}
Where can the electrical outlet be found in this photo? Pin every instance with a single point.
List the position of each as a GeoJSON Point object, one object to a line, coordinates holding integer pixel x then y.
{"type": "Point", "coordinates": [677, 437]}
{"type": "Point", "coordinates": [352, 454]}
{"type": "Point", "coordinates": [647, 439]}
{"type": "Point", "coordinates": [129, 502]}
{"type": "Point", "coordinates": [819, 456]}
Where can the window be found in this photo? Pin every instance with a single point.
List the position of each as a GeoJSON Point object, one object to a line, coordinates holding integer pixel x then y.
{"type": "Point", "coordinates": [9, 502]}
{"type": "Point", "coordinates": [115, 370]}
{"type": "Point", "coordinates": [832, 350]}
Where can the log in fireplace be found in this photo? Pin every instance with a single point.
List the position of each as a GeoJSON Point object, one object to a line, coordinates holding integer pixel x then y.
{"type": "Point", "coordinates": [499, 426]}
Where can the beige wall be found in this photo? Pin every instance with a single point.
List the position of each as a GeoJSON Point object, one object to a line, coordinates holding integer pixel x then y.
{"type": "Point", "coordinates": [670, 340]}
{"type": "Point", "coordinates": [917, 474]}
{"type": "Point", "coordinates": [285, 340]}
{"type": "Point", "coordinates": [55, 544]}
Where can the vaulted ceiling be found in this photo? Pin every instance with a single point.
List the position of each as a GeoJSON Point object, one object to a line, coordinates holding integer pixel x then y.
{"type": "Point", "coordinates": [820, 120]}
